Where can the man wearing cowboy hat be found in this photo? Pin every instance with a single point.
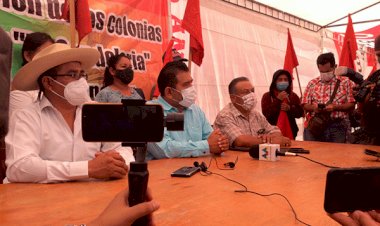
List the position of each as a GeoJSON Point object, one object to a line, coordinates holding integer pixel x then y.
{"type": "Point", "coordinates": [45, 143]}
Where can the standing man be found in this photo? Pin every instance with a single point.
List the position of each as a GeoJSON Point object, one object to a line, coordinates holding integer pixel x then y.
{"type": "Point", "coordinates": [45, 143]}
{"type": "Point", "coordinates": [316, 100]}
{"type": "Point", "coordinates": [242, 123]}
{"type": "Point", "coordinates": [178, 95]}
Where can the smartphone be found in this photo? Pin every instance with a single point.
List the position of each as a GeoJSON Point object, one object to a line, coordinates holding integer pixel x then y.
{"type": "Point", "coordinates": [371, 152]}
{"type": "Point", "coordinates": [186, 171]}
{"type": "Point", "coordinates": [122, 123]}
{"type": "Point", "coordinates": [350, 189]}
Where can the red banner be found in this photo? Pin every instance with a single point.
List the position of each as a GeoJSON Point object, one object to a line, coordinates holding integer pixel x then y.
{"type": "Point", "coordinates": [138, 28]}
{"type": "Point", "coordinates": [364, 38]}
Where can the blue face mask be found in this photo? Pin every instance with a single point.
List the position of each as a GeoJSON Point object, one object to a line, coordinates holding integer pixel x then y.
{"type": "Point", "coordinates": [282, 85]}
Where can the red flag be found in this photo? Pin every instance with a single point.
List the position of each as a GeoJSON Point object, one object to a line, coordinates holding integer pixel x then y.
{"type": "Point", "coordinates": [82, 17]}
{"type": "Point", "coordinates": [169, 52]}
{"type": "Point", "coordinates": [192, 23]}
{"type": "Point", "coordinates": [291, 60]}
{"type": "Point", "coordinates": [348, 54]}
{"type": "Point", "coordinates": [284, 125]}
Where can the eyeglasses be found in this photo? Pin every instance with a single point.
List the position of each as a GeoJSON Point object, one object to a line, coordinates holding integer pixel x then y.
{"type": "Point", "coordinates": [75, 75]}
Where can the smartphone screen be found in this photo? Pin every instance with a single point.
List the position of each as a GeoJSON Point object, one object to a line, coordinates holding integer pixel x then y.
{"type": "Point", "coordinates": [349, 189]}
{"type": "Point", "coordinates": [118, 123]}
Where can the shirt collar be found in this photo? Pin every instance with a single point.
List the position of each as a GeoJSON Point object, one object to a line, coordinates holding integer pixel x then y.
{"type": "Point", "coordinates": [334, 79]}
{"type": "Point", "coordinates": [44, 102]}
{"type": "Point", "coordinates": [235, 111]}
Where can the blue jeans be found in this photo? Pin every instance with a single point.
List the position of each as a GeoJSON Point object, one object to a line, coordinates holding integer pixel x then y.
{"type": "Point", "coordinates": [336, 132]}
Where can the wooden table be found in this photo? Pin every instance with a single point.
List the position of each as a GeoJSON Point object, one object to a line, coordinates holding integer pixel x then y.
{"type": "Point", "coordinates": [199, 200]}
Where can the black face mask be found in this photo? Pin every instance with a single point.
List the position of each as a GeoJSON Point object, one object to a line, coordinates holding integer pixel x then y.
{"type": "Point", "coordinates": [125, 76]}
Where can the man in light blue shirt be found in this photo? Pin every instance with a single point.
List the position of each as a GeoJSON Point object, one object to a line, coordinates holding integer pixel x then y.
{"type": "Point", "coordinates": [178, 95]}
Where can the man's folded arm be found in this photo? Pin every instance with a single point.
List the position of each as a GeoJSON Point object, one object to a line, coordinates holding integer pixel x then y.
{"type": "Point", "coordinates": [33, 169]}
{"type": "Point", "coordinates": [170, 148]}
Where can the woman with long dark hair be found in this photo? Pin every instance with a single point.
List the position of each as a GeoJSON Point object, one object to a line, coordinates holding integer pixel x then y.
{"type": "Point", "coordinates": [282, 98]}
{"type": "Point", "coordinates": [117, 77]}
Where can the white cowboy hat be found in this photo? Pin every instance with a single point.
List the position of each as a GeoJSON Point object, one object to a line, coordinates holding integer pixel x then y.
{"type": "Point", "coordinates": [50, 57]}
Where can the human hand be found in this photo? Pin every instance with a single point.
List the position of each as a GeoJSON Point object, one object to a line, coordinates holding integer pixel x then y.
{"type": "Point", "coordinates": [330, 107]}
{"type": "Point", "coordinates": [315, 108]}
{"type": "Point", "coordinates": [341, 70]}
{"type": "Point", "coordinates": [217, 142]}
{"type": "Point", "coordinates": [119, 213]}
{"type": "Point", "coordinates": [109, 164]}
{"type": "Point", "coordinates": [281, 140]}
{"type": "Point", "coordinates": [285, 107]}
{"type": "Point", "coordinates": [282, 95]}
{"type": "Point", "coordinates": [357, 218]}
{"type": "Point", "coordinates": [265, 138]}
{"type": "Point", "coordinates": [223, 141]}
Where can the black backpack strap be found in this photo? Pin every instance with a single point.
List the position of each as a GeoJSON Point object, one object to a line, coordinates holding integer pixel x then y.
{"type": "Point", "coordinates": [140, 92]}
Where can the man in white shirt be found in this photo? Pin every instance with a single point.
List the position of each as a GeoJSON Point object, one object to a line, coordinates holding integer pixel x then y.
{"type": "Point", "coordinates": [45, 143]}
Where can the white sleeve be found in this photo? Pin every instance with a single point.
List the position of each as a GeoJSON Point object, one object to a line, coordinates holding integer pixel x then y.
{"type": "Point", "coordinates": [19, 99]}
{"type": "Point", "coordinates": [23, 161]}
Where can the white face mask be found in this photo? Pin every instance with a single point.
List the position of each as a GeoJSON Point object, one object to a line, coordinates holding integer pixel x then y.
{"type": "Point", "coordinates": [326, 77]}
{"type": "Point", "coordinates": [249, 101]}
{"type": "Point", "coordinates": [76, 92]}
{"type": "Point", "coordinates": [188, 96]}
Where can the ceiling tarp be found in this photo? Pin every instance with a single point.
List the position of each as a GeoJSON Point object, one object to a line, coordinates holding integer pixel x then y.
{"type": "Point", "coordinates": [323, 12]}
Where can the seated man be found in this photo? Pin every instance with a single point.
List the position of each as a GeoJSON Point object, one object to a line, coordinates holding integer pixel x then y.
{"type": "Point", "coordinates": [45, 143]}
{"type": "Point", "coordinates": [178, 95]}
{"type": "Point", "coordinates": [239, 120]}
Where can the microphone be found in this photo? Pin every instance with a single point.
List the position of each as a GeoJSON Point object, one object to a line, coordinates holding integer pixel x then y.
{"type": "Point", "coordinates": [278, 153]}
{"type": "Point", "coordinates": [254, 152]}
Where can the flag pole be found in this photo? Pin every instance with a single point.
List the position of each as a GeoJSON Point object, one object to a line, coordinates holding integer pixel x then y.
{"type": "Point", "coordinates": [72, 23]}
{"type": "Point", "coordinates": [299, 83]}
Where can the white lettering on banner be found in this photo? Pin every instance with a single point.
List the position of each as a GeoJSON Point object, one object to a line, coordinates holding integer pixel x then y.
{"type": "Point", "coordinates": [181, 38]}
{"type": "Point", "coordinates": [364, 39]}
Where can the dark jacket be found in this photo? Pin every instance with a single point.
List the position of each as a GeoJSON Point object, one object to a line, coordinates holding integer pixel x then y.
{"type": "Point", "coordinates": [271, 106]}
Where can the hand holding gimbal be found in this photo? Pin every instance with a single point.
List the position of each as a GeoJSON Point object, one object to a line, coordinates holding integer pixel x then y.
{"type": "Point", "coordinates": [133, 123]}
